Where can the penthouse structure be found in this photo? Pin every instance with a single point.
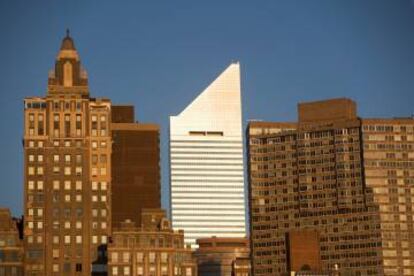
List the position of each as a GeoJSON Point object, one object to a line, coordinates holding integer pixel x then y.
{"type": "Point", "coordinates": [311, 176]}
{"type": "Point", "coordinates": [206, 162]}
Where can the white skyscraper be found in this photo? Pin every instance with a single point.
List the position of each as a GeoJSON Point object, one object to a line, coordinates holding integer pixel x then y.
{"type": "Point", "coordinates": [206, 162]}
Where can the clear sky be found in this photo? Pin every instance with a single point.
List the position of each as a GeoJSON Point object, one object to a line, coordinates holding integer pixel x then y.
{"type": "Point", "coordinates": [158, 55]}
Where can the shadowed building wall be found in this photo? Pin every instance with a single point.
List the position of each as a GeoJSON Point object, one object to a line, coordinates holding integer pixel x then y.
{"type": "Point", "coordinates": [135, 169]}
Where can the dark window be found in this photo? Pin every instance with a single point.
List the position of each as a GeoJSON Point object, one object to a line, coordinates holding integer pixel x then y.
{"type": "Point", "coordinates": [78, 267]}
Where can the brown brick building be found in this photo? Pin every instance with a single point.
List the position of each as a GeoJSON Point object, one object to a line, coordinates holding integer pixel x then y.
{"type": "Point", "coordinates": [153, 249]}
{"type": "Point", "coordinates": [310, 175]}
{"type": "Point", "coordinates": [223, 256]}
{"type": "Point", "coordinates": [389, 170]}
{"type": "Point", "coordinates": [67, 172]}
{"type": "Point", "coordinates": [11, 245]}
{"type": "Point", "coordinates": [135, 166]}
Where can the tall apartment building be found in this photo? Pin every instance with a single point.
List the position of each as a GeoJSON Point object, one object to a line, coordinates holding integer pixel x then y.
{"type": "Point", "coordinates": [11, 245]}
{"type": "Point", "coordinates": [310, 175]}
{"type": "Point", "coordinates": [151, 249]}
{"type": "Point", "coordinates": [389, 171]}
{"type": "Point", "coordinates": [135, 166]}
{"type": "Point", "coordinates": [206, 162]}
{"type": "Point", "coordinates": [67, 172]}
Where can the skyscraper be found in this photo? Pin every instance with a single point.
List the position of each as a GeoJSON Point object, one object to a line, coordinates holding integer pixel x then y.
{"type": "Point", "coordinates": [206, 162]}
{"type": "Point", "coordinates": [67, 183]}
{"type": "Point", "coordinates": [309, 176]}
{"type": "Point", "coordinates": [135, 166]}
{"type": "Point", "coordinates": [389, 172]}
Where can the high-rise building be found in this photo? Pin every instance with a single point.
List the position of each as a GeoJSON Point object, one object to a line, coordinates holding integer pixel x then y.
{"type": "Point", "coordinates": [310, 175]}
{"type": "Point", "coordinates": [389, 171]}
{"type": "Point", "coordinates": [11, 245]}
{"type": "Point", "coordinates": [67, 172]}
{"type": "Point", "coordinates": [135, 166]}
{"type": "Point", "coordinates": [206, 162]}
{"type": "Point", "coordinates": [152, 249]}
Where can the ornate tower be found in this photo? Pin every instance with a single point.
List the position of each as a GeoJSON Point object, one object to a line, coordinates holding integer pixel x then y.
{"type": "Point", "coordinates": [67, 150]}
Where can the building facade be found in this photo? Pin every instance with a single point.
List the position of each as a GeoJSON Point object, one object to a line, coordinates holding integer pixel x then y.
{"type": "Point", "coordinates": [310, 175]}
{"type": "Point", "coordinates": [223, 256]}
{"type": "Point", "coordinates": [389, 171]}
{"type": "Point", "coordinates": [11, 245]}
{"type": "Point", "coordinates": [153, 249]}
{"type": "Point", "coordinates": [135, 166]}
{"type": "Point", "coordinates": [206, 162]}
{"type": "Point", "coordinates": [67, 175]}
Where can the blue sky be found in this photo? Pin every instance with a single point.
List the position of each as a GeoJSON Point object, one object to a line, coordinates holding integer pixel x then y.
{"type": "Point", "coordinates": [158, 55]}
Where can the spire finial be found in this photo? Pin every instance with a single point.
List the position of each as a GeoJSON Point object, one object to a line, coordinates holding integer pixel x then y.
{"type": "Point", "coordinates": [67, 32]}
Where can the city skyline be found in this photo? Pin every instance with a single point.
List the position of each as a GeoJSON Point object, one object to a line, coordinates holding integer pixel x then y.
{"type": "Point", "coordinates": [374, 69]}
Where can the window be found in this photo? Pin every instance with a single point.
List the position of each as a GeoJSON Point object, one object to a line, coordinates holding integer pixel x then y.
{"type": "Point", "coordinates": [30, 170]}
{"type": "Point", "coordinates": [40, 158]}
{"type": "Point", "coordinates": [151, 257]}
{"type": "Point", "coordinates": [114, 270]}
{"type": "Point", "coordinates": [40, 212]}
{"type": "Point", "coordinates": [78, 225]}
{"type": "Point", "coordinates": [127, 270]}
{"type": "Point", "coordinates": [67, 185]}
{"type": "Point", "coordinates": [78, 239]}
{"type": "Point", "coordinates": [114, 257]}
{"type": "Point", "coordinates": [103, 212]}
{"type": "Point", "coordinates": [94, 144]}
{"type": "Point", "coordinates": [55, 266]}
{"type": "Point", "coordinates": [67, 239]}
{"type": "Point", "coordinates": [67, 171]}
{"type": "Point", "coordinates": [78, 185]}
{"type": "Point", "coordinates": [39, 170]}
{"type": "Point", "coordinates": [67, 198]}
{"type": "Point", "coordinates": [103, 186]}
{"type": "Point", "coordinates": [94, 212]}
{"type": "Point", "coordinates": [67, 143]}
{"type": "Point", "coordinates": [94, 171]}
{"type": "Point", "coordinates": [56, 169]}
{"type": "Point", "coordinates": [56, 239]}
{"type": "Point", "coordinates": [30, 224]}
{"type": "Point", "coordinates": [103, 225]}
{"type": "Point", "coordinates": [40, 185]}
{"type": "Point", "coordinates": [103, 171]}
{"type": "Point", "coordinates": [78, 171]}
{"type": "Point", "coordinates": [94, 239]}
{"type": "Point", "coordinates": [78, 198]}
{"type": "Point", "coordinates": [40, 225]}
{"type": "Point", "coordinates": [78, 158]}
{"type": "Point", "coordinates": [40, 144]}
{"type": "Point", "coordinates": [125, 257]}
{"type": "Point", "coordinates": [56, 185]}
{"type": "Point", "coordinates": [103, 198]}
{"type": "Point", "coordinates": [78, 267]}
{"type": "Point", "coordinates": [94, 198]}
{"type": "Point", "coordinates": [104, 239]}
{"type": "Point", "coordinates": [30, 211]}
{"type": "Point", "coordinates": [94, 185]}
{"type": "Point", "coordinates": [31, 144]}
{"type": "Point", "coordinates": [67, 224]}
{"type": "Point", "coordinates": [31, 158]}
{"type": "Point", "coordinates": [67, 157]}
{"type": "Point", "coordinates": [30, 185]}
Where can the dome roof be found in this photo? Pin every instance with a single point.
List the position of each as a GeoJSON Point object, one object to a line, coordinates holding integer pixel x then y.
{"type": "Point", "coordinates": [67, 42]}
